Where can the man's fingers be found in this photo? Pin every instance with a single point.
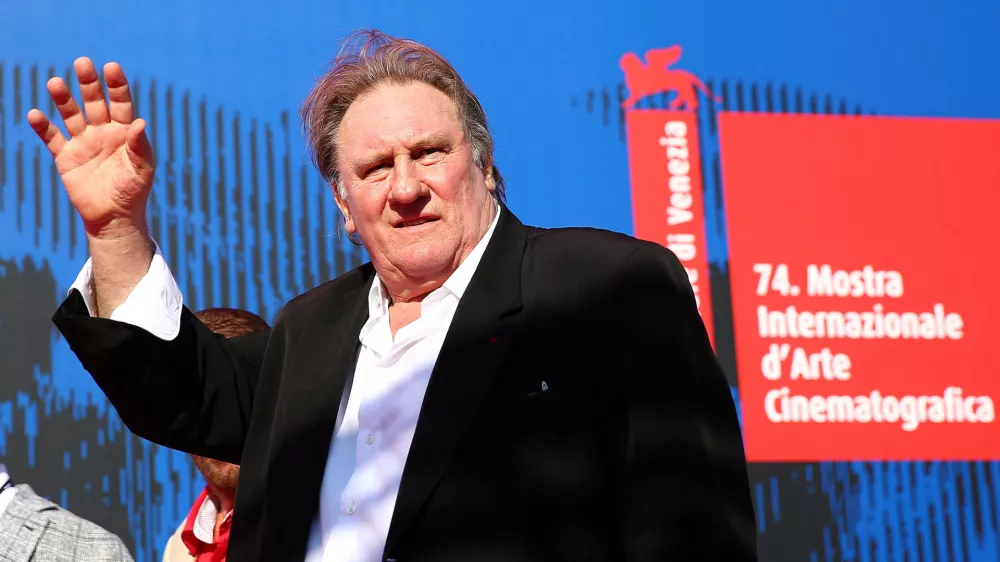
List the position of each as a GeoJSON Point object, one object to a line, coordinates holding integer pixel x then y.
{"type": "Point", "coordinates": [71, 115]}
{"type": "Point", "coordinates": [49, 133]}
{"type": "Point", "coordinates": [139, 150]}
{"type": "Point", "coordinates": [122, 108]}
{"type": "Point", "coordinates": [91, 91]}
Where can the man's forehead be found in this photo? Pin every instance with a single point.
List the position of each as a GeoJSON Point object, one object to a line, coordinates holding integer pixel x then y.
{"type": "Point", "coordinates": [382, 142]}
{"type": "Point", "coordinates": [400, 111]}
{"type": "Point", "coordinates": [409, 138]}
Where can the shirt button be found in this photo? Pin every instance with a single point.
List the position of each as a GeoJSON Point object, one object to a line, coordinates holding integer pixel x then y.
{"type": "Point", "coordinates": [369, 439]}
{"type": "Point", "coordinates": [351, 510]}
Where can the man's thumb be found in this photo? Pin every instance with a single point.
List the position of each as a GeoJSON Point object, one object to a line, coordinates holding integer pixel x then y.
{"type": "Point", "coordinates": [137, 145]}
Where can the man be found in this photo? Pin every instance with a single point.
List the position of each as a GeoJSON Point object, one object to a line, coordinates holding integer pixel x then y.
{"type": "Point", "coordinates": [33, 529]}
{"type": "Point", "coordinates": [203, 536]}
{"type": "Point", "coordinates": [482, 390]}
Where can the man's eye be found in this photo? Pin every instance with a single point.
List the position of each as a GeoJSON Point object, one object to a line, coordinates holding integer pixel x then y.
{"type": "Point", "coordinates": [376, 168]}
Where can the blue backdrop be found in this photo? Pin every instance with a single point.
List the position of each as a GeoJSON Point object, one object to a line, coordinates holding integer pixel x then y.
{"type": "Point", "coordinates": [246, 222]}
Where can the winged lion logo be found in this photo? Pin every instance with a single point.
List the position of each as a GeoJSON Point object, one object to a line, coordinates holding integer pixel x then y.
{"type": "Point", "coordinates": [655, 76]}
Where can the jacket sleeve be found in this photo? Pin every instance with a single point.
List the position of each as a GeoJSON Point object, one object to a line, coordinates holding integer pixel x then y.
{"type": "Point", "coordinates": [687, 493]}
{"type": "Point", "coordinates": [193, 393]}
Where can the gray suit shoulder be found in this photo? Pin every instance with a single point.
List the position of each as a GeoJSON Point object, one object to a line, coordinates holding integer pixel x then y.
{"type": "Point", "coordinates": [65, 535]}
{"type": "Point", "coordinates": [99, 543]}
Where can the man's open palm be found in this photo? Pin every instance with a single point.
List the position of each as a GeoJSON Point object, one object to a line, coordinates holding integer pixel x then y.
{"type": "Point", "coordinates": [106, 164]}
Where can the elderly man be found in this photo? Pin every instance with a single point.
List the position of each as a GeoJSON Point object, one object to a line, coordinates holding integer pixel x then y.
{"type": "Point", "coordinates": [482, 390]}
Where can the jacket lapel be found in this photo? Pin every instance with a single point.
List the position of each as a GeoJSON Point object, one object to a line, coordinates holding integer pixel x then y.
{"type": "Point", "coordinates": [307, 416]}
{"type": "Point", "coordinates": [24, 522]}
{"type": "Point", "coordinates": [470, 358]}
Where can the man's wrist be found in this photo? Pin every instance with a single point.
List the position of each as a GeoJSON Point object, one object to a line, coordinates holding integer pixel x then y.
{"type": "Point", "coordinates": [117, 229]}
{"type": "Point", "coordinates": [122, 238]}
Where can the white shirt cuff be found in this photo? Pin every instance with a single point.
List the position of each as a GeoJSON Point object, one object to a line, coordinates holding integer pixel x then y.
{"type": "Point", "coordinates": [154, 304]}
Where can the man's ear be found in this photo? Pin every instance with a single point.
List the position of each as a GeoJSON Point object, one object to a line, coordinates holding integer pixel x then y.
{"type": "Point", "coordinates": [491, 182]}
{"type": "Point", "coordinates": [349, 227]}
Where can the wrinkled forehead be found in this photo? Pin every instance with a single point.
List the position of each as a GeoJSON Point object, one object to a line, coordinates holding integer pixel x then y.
{"type": "Point", "coordinates": [397, 115]}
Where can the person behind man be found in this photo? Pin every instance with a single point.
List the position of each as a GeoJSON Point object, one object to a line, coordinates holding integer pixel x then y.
{"type": "Point", "coordinates": [481, 390]}
{"type": "Point", "coordinates": [33, 529]}
{"type": "Point", "coordinates": [203, 536]}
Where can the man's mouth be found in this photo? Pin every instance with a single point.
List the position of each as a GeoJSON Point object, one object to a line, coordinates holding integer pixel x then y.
{"type": "Point", "coordinates": [415, 222]}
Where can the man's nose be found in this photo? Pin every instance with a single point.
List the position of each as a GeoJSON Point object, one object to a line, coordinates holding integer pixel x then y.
{"type": "Point", "coordinates": [406, 184]}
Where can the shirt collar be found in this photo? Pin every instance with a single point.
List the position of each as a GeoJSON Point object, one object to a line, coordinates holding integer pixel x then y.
{"type": "Point", "coordinates": [204, 521]}
{"type": "Point", "coordinates": [7, 490]}
{"type": "Point", "coordinates": [457, 282]}
{"type": "Point", "coordinates": [199, 528]}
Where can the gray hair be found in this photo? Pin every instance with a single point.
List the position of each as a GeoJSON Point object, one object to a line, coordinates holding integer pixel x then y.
{"type": "Point", "coordinates": [370, 58]}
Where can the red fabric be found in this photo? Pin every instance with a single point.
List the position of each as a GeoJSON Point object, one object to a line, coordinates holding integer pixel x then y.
{"type": "Point", "coordinates": [204, 552]}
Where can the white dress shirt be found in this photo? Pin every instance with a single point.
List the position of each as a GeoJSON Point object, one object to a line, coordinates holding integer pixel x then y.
{"type": "Point", "coordinates": [378, 411]}
{"type": "Point", "coordinates": [7, 490]}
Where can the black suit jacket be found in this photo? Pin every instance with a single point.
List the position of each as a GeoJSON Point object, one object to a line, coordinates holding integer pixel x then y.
{"type": "Point", "coordinates": [632, 453]}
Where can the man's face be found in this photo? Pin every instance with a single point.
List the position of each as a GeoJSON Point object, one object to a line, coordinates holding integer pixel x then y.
{"type": "Point", "coordinates": [221, 475]}
{"type": "Point", "coordinates": [413, 191]}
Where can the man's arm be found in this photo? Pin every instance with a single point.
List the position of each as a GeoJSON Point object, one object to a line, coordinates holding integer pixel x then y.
{"type": "Point", "coordinates": [119, 257]}
{"type": "Point", "coordinates": [153, 303]}
{"type": "Point", "coordinates": [687, 491]}
{"type": "Point", "coordinates": [171, 380]}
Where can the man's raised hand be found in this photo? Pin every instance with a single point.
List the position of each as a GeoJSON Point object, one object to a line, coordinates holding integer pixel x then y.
{"type": "Point", "coordinates": [105, 161]}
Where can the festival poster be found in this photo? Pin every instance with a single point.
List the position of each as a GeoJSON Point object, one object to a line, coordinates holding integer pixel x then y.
{"type": "Point", "coordinates": [863, 275]}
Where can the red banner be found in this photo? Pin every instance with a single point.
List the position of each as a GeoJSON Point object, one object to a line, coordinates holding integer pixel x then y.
{"type": "Point", "coordinates": [864, 283]}
{"type": "Point", "coordinates": [667, 192]}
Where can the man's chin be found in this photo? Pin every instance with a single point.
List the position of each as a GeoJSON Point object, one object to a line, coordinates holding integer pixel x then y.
{"type": "Point", "coordinates": [217, 473]}
{"type": "Point", "coordinates": [428, 269]}
{"type": "Point", "coordinates": [421, 258]}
